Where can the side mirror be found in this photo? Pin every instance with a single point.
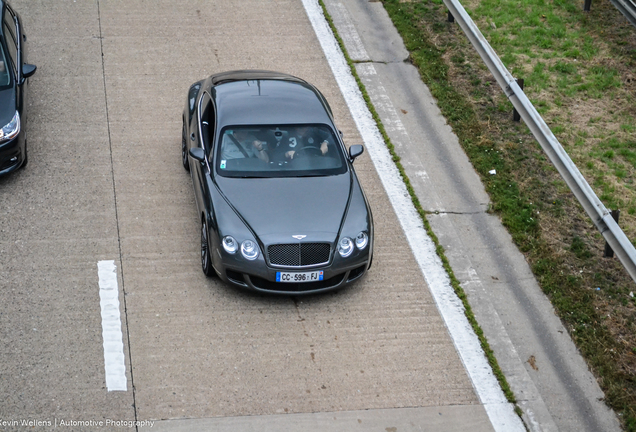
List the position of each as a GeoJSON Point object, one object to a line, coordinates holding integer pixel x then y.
{"type": "Point", "coordinates": [28, 70]}
{"type": "Point", "coordinates": [198, 153]}
{"type": "Point", "coordinates": [355, 151]}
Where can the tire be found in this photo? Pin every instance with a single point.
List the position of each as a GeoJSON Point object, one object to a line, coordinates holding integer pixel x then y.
{"type": "Point", "coordinates": [206, 258]}
{"type": "Point", "coordinates": [184, 149]}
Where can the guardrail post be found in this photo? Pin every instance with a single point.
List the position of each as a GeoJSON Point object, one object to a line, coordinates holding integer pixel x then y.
{"type": "Point", "coordinates": [451, 18]}
{"type": "Point", "coordinates": [609, 253]}
{"type": "Point", "coordinates": [587, 5]}
{"type": "Point", "coordinates": [515, 115]}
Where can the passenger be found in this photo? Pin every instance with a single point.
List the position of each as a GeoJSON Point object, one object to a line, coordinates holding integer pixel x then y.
{"type": "Point", "coordinates": [240, 143]}
{"type": "Point", "coordinates": [305, 139]}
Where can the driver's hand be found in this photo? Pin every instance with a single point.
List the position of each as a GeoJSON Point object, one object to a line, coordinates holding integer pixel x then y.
{"type": "Point", "coordinates": [290, 154]}
{"type": "Point", "coordinates": [324, 147]}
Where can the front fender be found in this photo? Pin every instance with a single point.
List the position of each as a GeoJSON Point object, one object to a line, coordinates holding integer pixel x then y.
{"type": "Point", "coordinates": [223, 220]}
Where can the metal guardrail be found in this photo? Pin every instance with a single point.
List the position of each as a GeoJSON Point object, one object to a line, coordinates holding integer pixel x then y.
{"type": "Point", "coordinates": [601, 217]}
{"type": "Point", "coordinates": [627, 8]}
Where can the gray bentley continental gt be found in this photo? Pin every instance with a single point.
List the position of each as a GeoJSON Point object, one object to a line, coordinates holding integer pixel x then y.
{"type": "Point", "coordinates": [280, 205]}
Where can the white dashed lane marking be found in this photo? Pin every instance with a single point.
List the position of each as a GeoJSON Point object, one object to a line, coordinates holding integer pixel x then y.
{"type": "Point", "coordinates": [114, 363]}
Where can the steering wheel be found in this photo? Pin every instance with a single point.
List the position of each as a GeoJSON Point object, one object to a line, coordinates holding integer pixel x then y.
{"type": "Point", "coordinates": [309, 151]}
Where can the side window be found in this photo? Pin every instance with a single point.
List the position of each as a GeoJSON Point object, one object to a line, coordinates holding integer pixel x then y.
{"type": "Point", "coordinates": [9, 30]}
{"type": "Point", "coordinates": [192, 98]}
{"type": "Point", "coordinates": [207, 125]}
{"type": "Point", "coordinates": [212, 127]}
{"type": "Point", "coordinates": [5, 76]}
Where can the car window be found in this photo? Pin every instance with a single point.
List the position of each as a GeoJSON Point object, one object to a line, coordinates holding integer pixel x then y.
{"type": "Point", "coordinates": [210, 117]}
{"type": "Point", "coordinates": [192, 97]}
{"type": "Point", "coordinates": [279, 151]}
{"type": "Point", "coordinates": [9, 32]}
{"type": "Point", "coordinates": [207, 128]}
{"type": "Point", "coordinates": [5, 76]}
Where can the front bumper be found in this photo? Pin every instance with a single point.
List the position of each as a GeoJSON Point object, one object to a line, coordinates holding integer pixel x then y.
{"type": "Point", "coordinates": [335, 277]}
{"type": "Point", "coordinates": [11, 155]}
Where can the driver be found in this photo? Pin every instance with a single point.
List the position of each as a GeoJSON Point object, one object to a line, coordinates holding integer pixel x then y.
{"type": "Point", "coordinates": [240, 143]}
{"type": "Point", "coordinates": [304, 137]}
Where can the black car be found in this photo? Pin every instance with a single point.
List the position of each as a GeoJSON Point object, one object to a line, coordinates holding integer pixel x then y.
{"type": "Point", "coordinates": [14, 72]}
{"type": "Point", "coordinates": [280, 205]}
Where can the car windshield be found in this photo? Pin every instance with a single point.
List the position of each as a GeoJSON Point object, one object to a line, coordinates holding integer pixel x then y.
{"type": "Point", "coordinates": [5, 77]}
{"type": "Point", "coordinates": [279, 151]}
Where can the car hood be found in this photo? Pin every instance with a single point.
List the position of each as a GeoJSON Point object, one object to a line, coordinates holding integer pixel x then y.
{"type": "Point", "coordinates": [7, 105]}
{"type": "Point", "coordinates": [278, 208]}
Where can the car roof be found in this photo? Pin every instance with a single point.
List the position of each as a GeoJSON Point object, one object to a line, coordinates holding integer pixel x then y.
{"type": "Point", "coordinates": [265, 97]}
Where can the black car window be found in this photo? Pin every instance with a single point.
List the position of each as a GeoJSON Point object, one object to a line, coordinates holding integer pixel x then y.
{"type": "Point", "coordinates": [207, 129]}
{"type": "Point", "coordinates": [210, 117]}
{"type": "Point", "coordinates": [279, 151]}
{"type": "Point", "coordinates": [5, 76]}
{"type": "Point", "coordinates": [9, 32]}
{"type": "Point", "coordinates": [192, 97]}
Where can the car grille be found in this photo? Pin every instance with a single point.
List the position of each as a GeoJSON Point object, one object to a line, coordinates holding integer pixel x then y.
{"type": "Point", "coordinates": [299, 254]}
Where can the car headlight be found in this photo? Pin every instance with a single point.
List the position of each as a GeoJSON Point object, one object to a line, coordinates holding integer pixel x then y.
{"type": "Point", "coordinates": [345, 247]}
{"type": "Point", "coordinates": [12, 129]}
{"type": "Point", "coordinates": [362, 240]}
{"type": "Point", "coordinates": [249, 250]}
{"type": "Point", "coordinates": [230, 245]}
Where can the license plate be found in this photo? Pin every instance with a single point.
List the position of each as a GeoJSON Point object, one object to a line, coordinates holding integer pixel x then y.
{"type": "Point", "coordinates": [290, 277]}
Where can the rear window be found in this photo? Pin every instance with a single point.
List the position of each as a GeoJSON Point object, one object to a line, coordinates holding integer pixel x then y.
{"type": "Point", "coordinates": [279, 151]}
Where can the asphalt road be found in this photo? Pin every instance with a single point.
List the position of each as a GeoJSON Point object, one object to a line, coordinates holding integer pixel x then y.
{"type": "Point", "coordinates": [104, 183]}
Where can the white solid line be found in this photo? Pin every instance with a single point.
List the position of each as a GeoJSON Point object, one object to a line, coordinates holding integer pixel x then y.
{"type": "Point", "coordinates": [499, 410]}
{"type": "Point", "coordinates": [111, 327]}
